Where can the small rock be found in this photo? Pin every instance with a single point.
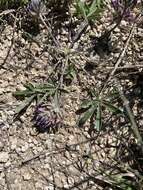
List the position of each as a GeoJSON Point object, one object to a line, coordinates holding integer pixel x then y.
{"type": "Point", "coordinates": [7, 164]}
{"type": "Point", "coordinates": [24, 147]}
{"type": "Point", "coordinates": [4, 156]}
{"type": "Point", "coordinates": [11, 112]}
{"type": "Point", "coordinates": [39, 149]}
{"type": "Point", "coordinates": [13, 143]}
{"type": "Point", "coordinates": [70, 180]}
{"type": "Point", "coordinates": [50, 187]}
{"type": "Point", "coordinates": [38, 186]}
{"type": "Point", "coordinates": [123, 23]}
{"type": "Point", "coordinates": [27, 176]}
{"type": "Point", "coordinates": [117, 30]}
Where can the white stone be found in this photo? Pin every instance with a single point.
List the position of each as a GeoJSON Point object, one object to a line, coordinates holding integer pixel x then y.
{"type": "Point", "coordinates": [4, 156]}
{"type": "Point", "coordinates": [25, 147]}
{"type": "Point", "coordinates": [7, 164]}
{"type": "Point", "coordinates": [13, 143]}
{"type": "Point", "coordinates": [123, 23]}
{"type": "Point", "coordinates": [27, 176]}
{"type": "Point", "coordinates": [39, 149]}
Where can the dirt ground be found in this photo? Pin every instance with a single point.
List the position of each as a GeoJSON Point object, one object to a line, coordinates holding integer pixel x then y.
{"type": "Point", "coordinates": [71, 158]}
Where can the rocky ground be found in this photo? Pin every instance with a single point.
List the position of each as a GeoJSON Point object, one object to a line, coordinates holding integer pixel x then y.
{"type": "Point", "coordinates": [71, 158]}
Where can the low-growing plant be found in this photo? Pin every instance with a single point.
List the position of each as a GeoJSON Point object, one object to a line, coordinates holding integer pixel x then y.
{"type": "Point", "coordinates": [125, 181]}
{"type": "Point", "coordinates": [91, 10]}
{"type": "Point", "coordinates": [93, 108]}
{"type": "Point", "coordinates": [70, 73]}
{"type": "Point", "coordinates": [38, 92]}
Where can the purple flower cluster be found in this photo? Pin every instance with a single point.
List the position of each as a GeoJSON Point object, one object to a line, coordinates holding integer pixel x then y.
{"type": "Point", "coordinates": [123, 8]}
{"type": "Point", "coordinates": [36, 7]}
{"type": "Point", "coordinates": [43, 121]}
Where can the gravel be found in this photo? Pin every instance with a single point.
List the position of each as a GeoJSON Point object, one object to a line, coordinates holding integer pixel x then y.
{"type": "Point", "coordinates": [61, 160]}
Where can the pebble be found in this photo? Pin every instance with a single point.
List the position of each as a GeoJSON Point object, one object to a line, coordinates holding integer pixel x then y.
{"type": "Point", "coordinates": [38, 186]}
{"type": "Point", "coordinates": [7, 164]}
{"type": "Point", "coordinates": [25, 147]}
{"type": "Point", "coordinates": [70, 180]}
{"type": "Point", "coordinates": [4, 156]}
{"type": "Point", "coordinates": [39, 149]}
{"type": "Point", "coordinates": [50, 187]}
{"type": "Point", "coordinates": [13, 143]}
{"type": "Point", "coordinates": [27, 176]}
{"type": "Point", "coordinates": [123, 23]}
{"type": "Point", "coordinates": [116, 30]}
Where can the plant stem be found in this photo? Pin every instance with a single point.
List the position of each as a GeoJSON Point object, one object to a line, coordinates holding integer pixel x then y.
{"type": "Point", "coordinates": [130, 114]}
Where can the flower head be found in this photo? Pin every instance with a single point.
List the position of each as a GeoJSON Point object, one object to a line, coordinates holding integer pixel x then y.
{"type": "Point", "coordinates": [44, 121]}
{"type": "Point", "coordinates": [36, 7]}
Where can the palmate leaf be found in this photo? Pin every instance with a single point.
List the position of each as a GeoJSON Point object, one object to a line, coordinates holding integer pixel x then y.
{"type": "Point", "coordinates": [44, 86]}
{"type": "Point", "coordinates": [87, 115]}
{"type": "Point", "coordinates": [24, 105]}
{"type": "Point", "coordinates": [29, 86]}
{"type": "Point", "coordinates": [112, 108]}
{"type": "Point", "coordinates": [81, 8]}
{"type": "Point", "coordinates": [95, 9]}
{"type": "Point", "coordinates": [89, 11]}
{"type": "Point", "coordinates": [70, 72]}
{"type": "Point", "coordinates": [35, 89]}
{"type": "Point", "coordinates": [23, 93]}
{"type": "Point", "coordinates": [86, 104]}
{"type": "Point", "coordinates": [113, 95]}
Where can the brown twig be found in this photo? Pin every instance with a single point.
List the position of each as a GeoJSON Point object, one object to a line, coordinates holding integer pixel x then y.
{"type": "Point", "coordinates": [11, 46]}
{"type": "Point", "coordinates": [7, 12]}
{"type": "Point", "coordinates": [120, 58]}
{"type": "Point", "coordinates": [49, 30]}
{"type": "Point", "coordinates": [128, 67]}
{"type": "Point", "coordinates": [82, 28]}
{"type": "Point", "coordinates": [43, 154]}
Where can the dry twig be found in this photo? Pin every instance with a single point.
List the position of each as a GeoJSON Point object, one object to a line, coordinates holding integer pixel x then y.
{"type": "Point", "coordinates": [11, 46]}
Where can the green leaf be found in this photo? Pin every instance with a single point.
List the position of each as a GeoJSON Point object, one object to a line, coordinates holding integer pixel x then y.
{"type": "Point", "coordinates": [70, 72]}
{"type": "Point", "coordinates": [85, 104]}
{"type": "Point", "coordinates": [98, 122]}
{"type": "Point", "coordinates": [46, 85]}
{"type": "Point", "coordinates": [43, 97]}
{"type": "Point", "coordinates": [112, 108]}
{"type": "Point", "coordinates": [87, 115]}
{"type": "Point", "coordinates": [29, 86]}
{"type": "Point", "coordinates": [96, 9]}
{"type": "Point", "coordinates": [81, 6]}
{"type": "Point", "coordinates": [93, 8]}
{"type": "Point", "coordinates": [23, 93]}
{"type": "Point", "coordinates": [24, 105]}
